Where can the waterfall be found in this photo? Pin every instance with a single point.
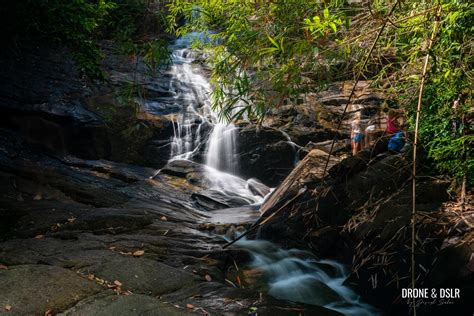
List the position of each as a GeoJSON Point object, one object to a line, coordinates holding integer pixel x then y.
{"type": "Point", "coordinates": [191, 90]}
{"type": "Point", "coordinates": [221, 152]}
{"type": "Point", "coordinates": [197, 130]}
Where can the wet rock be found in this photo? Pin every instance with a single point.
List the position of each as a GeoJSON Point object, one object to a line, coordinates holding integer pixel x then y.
{"type": "Point", "coordinates": [315, 292]}
{"type": "Point", "coordinates": [240, 300]}
{"type": "Point", "coordinates": [205, 194]}
{"type": "Point", "coordinates": [124, 172]}
{"type": "Point", "coordinates": [302, 135]}
{"type": "Point", "coordinates": [234, 231]}
{"type": "Point", "coordinates": [214, 200]}
{"type": "Point", "coordinates": [244, 215]}
{"type": "Point", "coordinates": [82, 186]}
{"type": "Point", "coordinates": [207, 226]}
{"type": "Point", "coordinates": [266, 154]}
{"type": "Point", "coordinates": [257, 188]}
{"type": "Point", "coordinates": [141, 275]}
{"type": "Point", "coordinates": [136, 304]}
{"type": "Point", "coordinates": [209, 203]}
{"type": "Point", "coordinates": [35, 289]}
{"type": "Point", "coordinates": [181, 168]}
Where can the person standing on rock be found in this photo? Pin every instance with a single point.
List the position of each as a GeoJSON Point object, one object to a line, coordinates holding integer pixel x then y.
{"type": "Point", "coordinates": [357, 137]}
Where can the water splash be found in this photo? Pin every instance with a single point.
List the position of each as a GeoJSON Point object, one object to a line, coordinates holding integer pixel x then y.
{"type": "Point", "coordinates": [230, 185]}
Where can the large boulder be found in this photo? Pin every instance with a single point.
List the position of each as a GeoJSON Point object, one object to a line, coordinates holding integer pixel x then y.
{"type": "Point", "coordinates": [265, 153]}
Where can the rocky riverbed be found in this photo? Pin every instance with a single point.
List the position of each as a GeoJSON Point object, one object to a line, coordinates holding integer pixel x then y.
{"type": "Point", "coordinates": [95, 237]}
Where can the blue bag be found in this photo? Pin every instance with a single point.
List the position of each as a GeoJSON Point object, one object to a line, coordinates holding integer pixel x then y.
{"type": "Point", "coordinates": [396, 142]}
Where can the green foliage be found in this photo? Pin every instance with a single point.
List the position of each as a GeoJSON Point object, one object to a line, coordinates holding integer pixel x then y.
{"type": "Point", "coordinates": [265, 52]}
{"type": "Point", "coordinates": [156, 54]}
{"type": "Point", "coordinates": [262, 52]}
{"type": "Point", "coordinates": [444, 131]}
{"type": "Point", "coordinates": [322, 27]}
{"type": "Point", "coordinates": [79, 24]}
{"type": "Point", "coordinates": [71, 22]}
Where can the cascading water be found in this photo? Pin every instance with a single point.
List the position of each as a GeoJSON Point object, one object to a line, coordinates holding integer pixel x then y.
{"type": "Point", "coordinates": [192, 90]}
{"type": "Point", "coordinates": [221, 152]}
{"type": "Point", "coordinates": [296, 275]}
{"type": "Point", "coordinates": [191, 93]}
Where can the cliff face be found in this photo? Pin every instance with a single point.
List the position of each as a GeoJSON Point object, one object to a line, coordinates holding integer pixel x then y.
{"type": "Point", "coordinates": [42, 98]}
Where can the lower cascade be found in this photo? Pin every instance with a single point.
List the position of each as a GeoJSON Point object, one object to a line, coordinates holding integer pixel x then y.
{"type": "Point", "coordinates": [297, 276]}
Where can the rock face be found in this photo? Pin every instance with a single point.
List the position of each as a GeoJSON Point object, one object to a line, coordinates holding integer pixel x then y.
{"type": "Point", "coordinates": [35, 289]}
{"type": "Point", "coordinates": [308, 123]}
{"type": "Point", "coordinates": [41, 96]}
{"type": "Point", "coordinates": [361, 214]}
{"type": "Point", "coordinates": [266, 154]}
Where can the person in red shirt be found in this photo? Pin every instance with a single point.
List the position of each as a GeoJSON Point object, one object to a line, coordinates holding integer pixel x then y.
{"type": "Point", "coordinates": [392, 124]}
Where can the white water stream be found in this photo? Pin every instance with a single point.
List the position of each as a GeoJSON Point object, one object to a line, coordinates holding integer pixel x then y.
{"type": "Point", "coordinates": [192, 92]}
{"type": "Point", "coordinates": [297, 276]}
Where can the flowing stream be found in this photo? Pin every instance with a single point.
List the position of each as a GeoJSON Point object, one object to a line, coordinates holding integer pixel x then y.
{"type": "Point", "coordinates": [298, 276]}
{"type": "Point", "coordinates": [293, 275]}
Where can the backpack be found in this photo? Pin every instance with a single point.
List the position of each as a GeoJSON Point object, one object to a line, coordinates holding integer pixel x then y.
{"type": "Point", "coordinates": [396, 142]}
